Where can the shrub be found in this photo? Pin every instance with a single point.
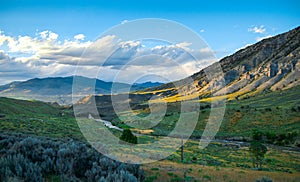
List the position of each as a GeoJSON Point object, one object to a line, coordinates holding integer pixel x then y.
{"type": "Point", "coordinates": [264, 179]}
{"type": "Point", "coordinates": [268, 109]}
{"type": "Point", "coordinates": [207, 177]}
{"type": "Point", "coordinates": [127, 136]}
{"type": "Point", "coordinates": [32, 158]}
{"type": "Point", "coordinates": [20, 167]}
{"type": "Point", "coordinates": [257, 135]}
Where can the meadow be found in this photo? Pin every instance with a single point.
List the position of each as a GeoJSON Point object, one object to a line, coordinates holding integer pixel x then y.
{"type": "Point", "coordinates": [275, 114]}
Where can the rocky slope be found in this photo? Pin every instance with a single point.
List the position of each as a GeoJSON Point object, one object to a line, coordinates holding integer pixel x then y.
{"type": "Point", "coordinates": [270, 64]}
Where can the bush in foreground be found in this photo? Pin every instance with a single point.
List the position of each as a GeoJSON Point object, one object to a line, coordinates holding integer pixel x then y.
{"type": "Point", "coordinates": [37, 158]}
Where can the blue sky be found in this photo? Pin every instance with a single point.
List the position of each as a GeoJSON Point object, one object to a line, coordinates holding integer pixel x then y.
{"type": "Point", "coordinates": [226, 26]}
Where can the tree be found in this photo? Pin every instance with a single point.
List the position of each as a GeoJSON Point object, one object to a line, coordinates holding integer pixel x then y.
{"type": "Point", "coordinates": [258, 151]}
{"type": "Point", "coordinates": [257, 135]}
{"type": "Point", "coordinates": [127, 136]}
{"type": "Point", "coordinates": [182, 150]}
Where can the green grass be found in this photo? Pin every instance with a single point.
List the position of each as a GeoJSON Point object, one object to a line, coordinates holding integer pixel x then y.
{"type": "Point", "coordinates": [37, 118]}
{"type": "Point", "coordinates": [10, 106]}
{"type": "Point", "coordinates": [218, 162]}
{"type": "Point", "coordinates": [277, 112]}
{"type": "Point", "coordinates": [216, 154]}
{"type": "Point", "coordinates": [269, 112]}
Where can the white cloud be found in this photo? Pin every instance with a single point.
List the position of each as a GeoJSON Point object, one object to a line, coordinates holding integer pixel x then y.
{"type": "Point", "coordinates": [257, 29]}
{"type": "Point", "coordinates": [183, 45]}
{"type": "Point", "coordinates": [48, 35]}
{"type": "Point", "coordinates": [202, 30]}
{"type": "Point", "coordinates": [79, 37]}
{"type": "Point", "coordinates": [44, 55]}
{"type": "Point", "coordinates": [53, 36]}
{"type": "Point", "coordinates": [124, 21]}
{"type": "Point", "coordinates": [205, 50]}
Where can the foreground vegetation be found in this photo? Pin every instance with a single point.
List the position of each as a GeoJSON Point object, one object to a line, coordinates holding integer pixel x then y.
{"type": "Point", "coordinates": [172, 171]}
{"type": "Point", "coordinates": [45, 159]}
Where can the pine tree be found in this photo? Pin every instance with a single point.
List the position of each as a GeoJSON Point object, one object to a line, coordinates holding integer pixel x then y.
{"type": "Point", "coordinates": [127, 136]}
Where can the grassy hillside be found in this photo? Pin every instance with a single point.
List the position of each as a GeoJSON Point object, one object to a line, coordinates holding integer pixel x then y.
{"type": "Point", "coordinates": [217, 162]}
{"type": "Point", "coordinates": [37, 118]}
{"type": "Point", "coordinates": [275, 112]}
{"type": "Point", "coordinates": [23, 107]}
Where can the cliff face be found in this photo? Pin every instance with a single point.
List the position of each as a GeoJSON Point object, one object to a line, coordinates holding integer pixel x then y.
{"type": "Point", "coordinates": [272, 64]}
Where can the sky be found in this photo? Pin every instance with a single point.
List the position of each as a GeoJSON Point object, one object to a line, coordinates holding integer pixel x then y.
{"type": "Point", "coordinates": [47, 38]}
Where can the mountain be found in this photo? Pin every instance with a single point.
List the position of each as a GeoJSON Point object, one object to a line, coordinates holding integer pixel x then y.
{"type": "Point", "coordinates": [261, 84]}
{"type": "Point", "coordinates": [269, 65]}
{"type": "Point", "coordinates": [59, 89]}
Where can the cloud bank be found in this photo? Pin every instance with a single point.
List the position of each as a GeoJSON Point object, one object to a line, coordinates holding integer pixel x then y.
{"type": "Point", "coordinates": [45, 55]}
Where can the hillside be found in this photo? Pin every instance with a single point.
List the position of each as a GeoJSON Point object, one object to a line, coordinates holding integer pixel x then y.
{"type": "Point", "coordinates": [37, 118]}
{"type": "Point", "coordinates": [262, 90]}
{"type": "Point", "coordinates": [59, 89]}
{"type": "Point", "coordinates": [271, 64]}
{"type": "Point", "coordinates": [32, 128]}
{"type": "Point", "coordinates": [15, 107]}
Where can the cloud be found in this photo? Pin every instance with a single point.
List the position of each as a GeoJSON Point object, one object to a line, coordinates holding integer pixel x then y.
{"type": "Point", "coordinates": [44, 55]}
{"type": "Point", "coordinates": [48, 35]}
{"type": "Point", "coordinates": [261, 29]}
{"type": "Point", "coordinates": [79, 37]}
{"type": "Point", "coordinates": [11, 70]}
{"type": "Point", "coordinates": [202, 30]}
{"type": "Point", "coordinates": [124, 21]}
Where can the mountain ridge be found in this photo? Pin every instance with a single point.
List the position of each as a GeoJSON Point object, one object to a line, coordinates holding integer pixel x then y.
{"type": "Point", "coordinates": [59, 89]}
{"type": "Point", "coordinates": [272, 63]}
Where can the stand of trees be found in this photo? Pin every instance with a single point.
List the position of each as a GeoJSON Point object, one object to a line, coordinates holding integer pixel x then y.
{"type": "Point", "coordinates": [277, 139]}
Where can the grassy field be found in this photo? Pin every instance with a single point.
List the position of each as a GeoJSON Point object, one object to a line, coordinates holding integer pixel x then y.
{"type": "Point", "coordinates": [276, 112]}
{"type": "Point", "coordinates": [37, 118]}
{"type": "Point", "coordinates": [172, 171]}
{"type": "Point", "coordinates": [223, 163]}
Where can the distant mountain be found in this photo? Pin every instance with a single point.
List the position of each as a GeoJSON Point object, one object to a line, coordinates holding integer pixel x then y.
{"type": "Point", "coordinates": [59, 89]}
{"type": "Point", "coordinates": [271, 64]}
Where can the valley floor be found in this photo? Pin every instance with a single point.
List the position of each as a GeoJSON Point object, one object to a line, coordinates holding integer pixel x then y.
{"type": "Point", "coordinates": [173, 171]}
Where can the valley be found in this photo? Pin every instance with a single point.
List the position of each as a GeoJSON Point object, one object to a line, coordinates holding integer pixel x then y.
{"type": "Point", "coordinates": [259, 90]}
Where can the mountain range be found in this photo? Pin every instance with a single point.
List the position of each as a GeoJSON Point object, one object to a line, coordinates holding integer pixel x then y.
{"type": "Point", "coordinates": [269, 65]}
{"type": "Point", "coordinates": [59, 89]}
